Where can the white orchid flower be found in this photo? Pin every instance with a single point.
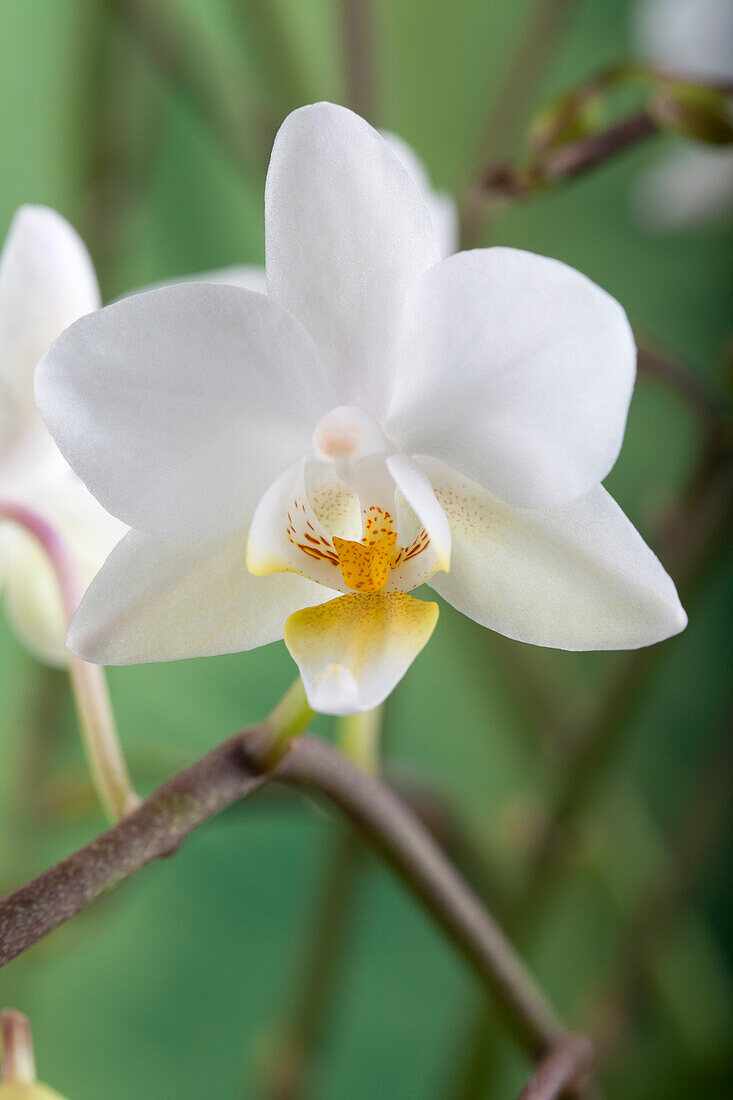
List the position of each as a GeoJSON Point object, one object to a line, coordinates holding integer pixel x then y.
{"type": "Point", "coordinates": [297, 463]}
{"type": "Point", "coordinates": [689, 185]}
{"type": "Point", "coordinates": [46, 282]}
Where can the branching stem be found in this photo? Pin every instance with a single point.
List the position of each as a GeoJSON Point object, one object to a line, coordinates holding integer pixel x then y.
{"type": "Point", "coordinates": [233, 771]}
{"type": "Point", "coordinates": [565, 1066]}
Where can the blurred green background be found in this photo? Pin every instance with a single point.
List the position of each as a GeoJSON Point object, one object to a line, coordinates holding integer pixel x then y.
{"type": "Point", "coordinates": [175, 986]}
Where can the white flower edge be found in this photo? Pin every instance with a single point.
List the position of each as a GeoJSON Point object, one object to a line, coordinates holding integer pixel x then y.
{"type": "Point", "coordinates": [47, 281]}
{"type": "Point", "coordinates": [515, 369]}
{"type": "Point", "coordinates": [578, 576]}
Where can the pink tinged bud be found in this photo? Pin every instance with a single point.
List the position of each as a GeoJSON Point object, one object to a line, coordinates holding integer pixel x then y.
{"type": "Point", "coordinates": [18, 1067]}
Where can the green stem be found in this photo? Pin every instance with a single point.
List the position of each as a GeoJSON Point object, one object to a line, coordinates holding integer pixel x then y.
{"type": "Point", "coordinates": [358, 737]}
{"type": "Point", "coordinates": [102, 748]}
{"type": "Point", "coordinates": [288, 718]}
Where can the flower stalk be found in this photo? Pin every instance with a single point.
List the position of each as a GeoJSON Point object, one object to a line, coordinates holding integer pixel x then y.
{"type": "Point", "coordinates": [566, 1066]}
{"type": "Point", "coordinates": [566, 141]}
{"type": "Point", "coordinates": [359, 736]}
{"type": "Point", "coordinates": [106, 763]}
{"type": "Point", "coordinates": [286, 721]}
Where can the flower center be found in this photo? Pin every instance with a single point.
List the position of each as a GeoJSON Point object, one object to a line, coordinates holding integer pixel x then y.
{"type": "Point", "coordinates": [346, 434]}
{"type": "Point", "coordinates": [365, 565]}
{"type": "Point", "coordinates": [342, 519]}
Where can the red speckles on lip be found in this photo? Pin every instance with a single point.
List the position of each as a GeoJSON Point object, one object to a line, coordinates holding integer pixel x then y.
{"type": "Point", "coordinates": [316, 546]}
{"type": "Point", "coordinates": [405, 553]}
{"type": "Point", "coordinates": [361, 571]}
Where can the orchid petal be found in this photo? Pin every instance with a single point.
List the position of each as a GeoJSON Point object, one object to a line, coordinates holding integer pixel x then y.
{"type": "Point", "coordinates": [155, 601]}
{"type": "Point", "coordinates": [247, 276]}
{"type": "Point", "coordinates": [46, 281]}
{"type": "Point", "coordinates": [210, 390]}
{"type": "Point", "coordinates": [515, 369]}
{"type": "Point", "coordinates": [352, 651]}
{"type": "Point", "coordinates": [415, 487]}
{"type": "Point", "coordinates": [347, 232]}
{"type": "Point", "coordinates": [287, 534]}
{"type": "Point", "coordinates": [577, 576]}
{"type": "Point", "coordinates": [442, 206]}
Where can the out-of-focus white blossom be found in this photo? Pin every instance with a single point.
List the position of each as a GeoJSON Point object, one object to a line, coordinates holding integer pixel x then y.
{"type": "Point", "coordinates": [690, 184]}
{"type": "Point", "coordinates": [46, 281]}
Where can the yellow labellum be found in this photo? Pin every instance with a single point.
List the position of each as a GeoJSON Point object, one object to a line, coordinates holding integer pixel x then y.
{"type": "Point", "coordinates": [350, 648]}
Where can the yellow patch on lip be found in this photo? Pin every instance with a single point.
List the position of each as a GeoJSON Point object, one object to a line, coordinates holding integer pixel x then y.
{"type": "Point", "coordinates": [352, 650]}
{"type": "Point", "coordinates": [365, 568]}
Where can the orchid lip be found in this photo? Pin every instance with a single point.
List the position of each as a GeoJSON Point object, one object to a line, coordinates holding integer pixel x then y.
{"type": "Point", "coordinates": [354, 525]}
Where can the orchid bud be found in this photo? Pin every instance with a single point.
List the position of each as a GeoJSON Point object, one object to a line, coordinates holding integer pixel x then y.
{"type": "Point", "coordinates": [16, 1090]}
{"type": "Point", "coordinates": [18, 1073]}
{"type": "Point", "coordinates": [694, 110]}
{"type": "Point", "coordinates": [567, 119]}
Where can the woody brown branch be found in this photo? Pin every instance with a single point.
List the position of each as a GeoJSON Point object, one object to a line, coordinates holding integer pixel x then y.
{"type": "Point", "coordinates": [233, 771]}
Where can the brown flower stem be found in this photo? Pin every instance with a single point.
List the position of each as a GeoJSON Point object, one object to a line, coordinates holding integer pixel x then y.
{"type": "Point", "coordinates": [392, 830]}
{"type": "Point", "coordinates": [155, 829]}
{"type": "Point", "coordinates": [508, 181]}
{"type": "Point", "coordinates": [562, 1068]}
{"type": "Point", "coordinates": [358, 41]}
{"type": "Point", "coordinates": [243, 131]}
{"type": "Point", "coordinates": [231, 772]}
{"type": "Point", "coordinates": [555, 163]}
{"type": "Point", "coordinates": [455, 836]}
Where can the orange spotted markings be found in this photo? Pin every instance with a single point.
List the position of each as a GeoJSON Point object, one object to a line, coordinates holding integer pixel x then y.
{"type": "Point", "coordinates": [365, 568]}
{"type": "Point", "coordinates": [365, 565]}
